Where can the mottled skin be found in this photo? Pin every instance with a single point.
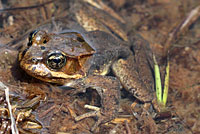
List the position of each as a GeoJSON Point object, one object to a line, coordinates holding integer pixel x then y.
{"type": "Point", "coordinates": [88, 54]}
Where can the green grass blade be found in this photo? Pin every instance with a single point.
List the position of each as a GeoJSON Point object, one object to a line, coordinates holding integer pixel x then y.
{"type": "Point", "coordinates": [157, 81]}
{"type": "Point", "coordinates": [166, 85]}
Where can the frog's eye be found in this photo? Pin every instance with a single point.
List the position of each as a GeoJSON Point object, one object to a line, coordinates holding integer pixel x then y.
{"type": "Point", "coordinates": [56, 60]}
{"type": "Point", "coordinates": [31, 36]}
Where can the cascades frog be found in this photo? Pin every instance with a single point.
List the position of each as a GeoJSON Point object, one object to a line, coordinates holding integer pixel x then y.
{"type": "Point", "coordinates": [90, 48]}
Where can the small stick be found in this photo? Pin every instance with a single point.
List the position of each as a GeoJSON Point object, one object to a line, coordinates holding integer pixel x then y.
{"type": "Point", "coordinates": [26, 7]}
{"type": "Point", "coordinates": [92, 107]}
{"type": "Point", "coordinates": [47, 111]}
{"type": "Point", "coordinates": [113, 131]}
{"type": "Point", "coordinates": [86, 115]}
{"type": "Point", "coordinates": [127, 127]}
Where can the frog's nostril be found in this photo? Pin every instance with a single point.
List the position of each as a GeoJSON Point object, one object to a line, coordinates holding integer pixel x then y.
{"type": "Point", "coordinates": [33, 69]}
{"type": "Point", "coordinates": [42, 47]}
{"type": "Point", "coordinates": [34, 60]}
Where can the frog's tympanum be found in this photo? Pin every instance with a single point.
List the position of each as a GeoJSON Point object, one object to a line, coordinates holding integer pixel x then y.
{"type": "Point", "coordinates": [96, 54]}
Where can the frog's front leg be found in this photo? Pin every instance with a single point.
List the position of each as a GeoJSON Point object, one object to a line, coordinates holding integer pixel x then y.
{"type": "Point", "coordinates": [109, 90]}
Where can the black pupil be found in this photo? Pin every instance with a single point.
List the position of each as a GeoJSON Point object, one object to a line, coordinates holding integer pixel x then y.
{"type": "Point", "coordinates": [57, 60]}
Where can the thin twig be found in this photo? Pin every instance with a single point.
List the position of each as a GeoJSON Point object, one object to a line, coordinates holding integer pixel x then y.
{"type": "Point", "coordinates": [104, 7]}
{"type": "Point", "coordinates": [47, 111]}
{"type": "Point", "coordinates": [13, 123]}
{"type": "Point", "coordinates": [114, 130]}
{"type": "Point", "coordinates": [92, 107]}
{"type": "Point", "coordinates": [181, 28]}
{"type": "Point", "coordinates": [26, 7]}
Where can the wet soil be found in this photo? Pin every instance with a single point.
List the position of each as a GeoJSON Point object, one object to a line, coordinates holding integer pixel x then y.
{"type": "Point", "coordinates": [54, 109]}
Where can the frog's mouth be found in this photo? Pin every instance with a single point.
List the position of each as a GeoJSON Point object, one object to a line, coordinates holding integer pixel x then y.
{"type": "Point", "coordinates": [40, 71]}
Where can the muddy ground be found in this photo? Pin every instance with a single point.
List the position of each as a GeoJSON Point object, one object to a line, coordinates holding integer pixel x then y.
{"type": "Point", "coordinates": [52, 110]}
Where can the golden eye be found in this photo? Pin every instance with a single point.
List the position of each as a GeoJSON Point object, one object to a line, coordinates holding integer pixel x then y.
{"type": "Point", "coordinates": [31, 36]}
{"type": "Point", "coordinates": [56, 60]}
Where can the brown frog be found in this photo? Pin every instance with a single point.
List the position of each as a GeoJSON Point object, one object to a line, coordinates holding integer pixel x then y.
{"type": "Point", "coordinates": [96, 54]}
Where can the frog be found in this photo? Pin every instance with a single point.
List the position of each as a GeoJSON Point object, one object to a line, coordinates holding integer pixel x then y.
{"type": "Point", "coordinates": [94, 52]}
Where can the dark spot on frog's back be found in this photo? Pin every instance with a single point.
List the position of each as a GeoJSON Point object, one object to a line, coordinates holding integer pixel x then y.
{"type": "Point", "coordinates": [80, 39]}
{"type": "Point", "coordinates": [132, 49]}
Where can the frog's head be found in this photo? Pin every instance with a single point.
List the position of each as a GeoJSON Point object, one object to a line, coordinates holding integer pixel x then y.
{"type": "Point", "coordinates": [55, 58]}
